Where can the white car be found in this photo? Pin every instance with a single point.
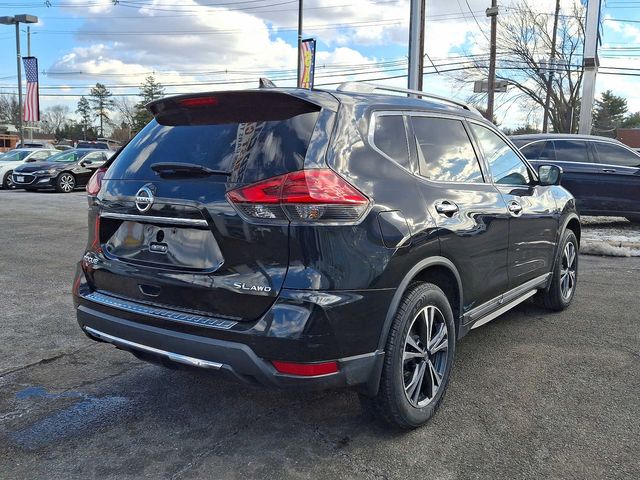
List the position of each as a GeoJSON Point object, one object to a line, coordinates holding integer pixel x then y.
{"type": "Point", "coordinates": [18, 156]}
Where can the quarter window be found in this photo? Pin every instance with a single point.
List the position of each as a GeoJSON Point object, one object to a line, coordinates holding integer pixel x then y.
{"type": "Point", "coordinates": [616, 155]}
{"type": "Point", "coordinates": [505, 165]}
{"type": "Point", "coordinates": [390, 137]}
{"type": "Point", "coordinates": [571, 151]}
{"type": "Point", "coordinates": [445, 151]}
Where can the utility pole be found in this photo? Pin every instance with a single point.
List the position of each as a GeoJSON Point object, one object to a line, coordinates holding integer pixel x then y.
{"type": "Point", "coordinates": [552, 65]}
{"type": "Point", "coordinates": [416, 44]}
{"type": "Point", "coordinates": [492, 13]}
{"type": "Point", "coordinates": [590, 65]}
{"type": "Point", "coordinates": [300, 10]}
{"type": "Point", "coordinates": [19, 57]}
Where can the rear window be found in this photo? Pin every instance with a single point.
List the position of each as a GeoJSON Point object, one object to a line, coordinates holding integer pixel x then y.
{"type": "Point", "coordinates": [249, 151]}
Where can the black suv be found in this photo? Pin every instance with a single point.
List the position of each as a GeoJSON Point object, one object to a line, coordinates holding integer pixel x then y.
{"type": "Point", "coordinates": [299, 238]}
{"type": "Point", "coordinates": [602, 173]}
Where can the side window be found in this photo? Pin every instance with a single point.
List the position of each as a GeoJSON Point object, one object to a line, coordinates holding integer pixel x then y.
{"type": "Point", "coordinates": [504, 164]}
{"type": "Point", "coordinates": [548, 151]}
{"type": "Point", "coordinates": [533, 150]}
{"type": "Point", "coordinates": [616, 155]}
{"type": "Point", "coordinates": [40, 155]}
{"type": "Point", "coordinates": [94, 157]}
{"type": "Point", "coordinates": [445, 151]}
{"type": "Point", "coordinates": [571, 151]}
{"type": "Point", "coordinates": [390, 137]}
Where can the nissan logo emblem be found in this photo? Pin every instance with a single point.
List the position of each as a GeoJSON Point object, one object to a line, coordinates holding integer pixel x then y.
{"type": "Point", "coordinates": [144, 198]}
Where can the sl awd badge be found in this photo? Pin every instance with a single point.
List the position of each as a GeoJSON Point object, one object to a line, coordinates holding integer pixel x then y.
{"type": "Point", "coordinates": [252, 288]}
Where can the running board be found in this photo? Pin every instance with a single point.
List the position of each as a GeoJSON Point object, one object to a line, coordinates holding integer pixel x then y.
{"type": "Point", "coordinates": [176, 357]}
{"type": "Point", "coordinates": [504, 309]}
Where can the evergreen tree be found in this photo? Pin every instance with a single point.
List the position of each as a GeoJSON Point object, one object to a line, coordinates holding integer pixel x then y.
{"type": "Point", "coordinates": [84, 112]}
{"type": "Point", "coordinates": [150, 90]}
{"type": "Point", "coordinates": [608, 114]}
{"type": "Point", "coordinates": [631, 121]}
{"type": "Point", "coordinates": [101, 101]}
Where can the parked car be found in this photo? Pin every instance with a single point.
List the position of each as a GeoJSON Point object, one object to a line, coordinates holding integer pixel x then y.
{"type": "Point", "coordinates": [602, 174]}
{"type": "Point", "coordinates": [35, 144]}
{"type": "Point", "coordinates": [64, 171]}
{"type": "Point", "coordinates": [16, 157]}
{"type": "Point", "coordinates": [313, 239]}
{"type": "Point", "coordinates": [93, 144]}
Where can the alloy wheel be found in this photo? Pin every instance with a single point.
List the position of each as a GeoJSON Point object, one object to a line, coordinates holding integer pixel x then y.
{"type": "Point", "coordinates": [9, 182]}
{"type": "Point", "coordinates": [425, 356]}
{"type": "Point", "coordinates": [67, 183]}
{"type": "Point", "coordinates": [568, 270]}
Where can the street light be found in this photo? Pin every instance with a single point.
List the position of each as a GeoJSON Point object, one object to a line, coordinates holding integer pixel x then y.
{"type": "Point", "coordinates": [17, 20]}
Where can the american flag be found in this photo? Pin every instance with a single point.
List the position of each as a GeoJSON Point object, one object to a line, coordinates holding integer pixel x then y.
{"type": "Point", "coordinates": [32, 101]}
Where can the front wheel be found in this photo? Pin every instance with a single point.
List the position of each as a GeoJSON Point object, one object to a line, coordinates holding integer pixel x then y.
{"type": "Point", "coordinates": [418, 359]}
{"type": "Point", "coordinates": [565, 276]}
{"type": "Point", "coordinates": [7, 181]}
{"type": "Point", "coordinates": [65, 183]}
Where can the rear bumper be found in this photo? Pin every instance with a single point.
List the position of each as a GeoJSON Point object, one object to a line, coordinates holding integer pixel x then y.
{"type": "Point", "coordinates": [235, 359]}
{"type": "Point", "coordinates": [302, 326]}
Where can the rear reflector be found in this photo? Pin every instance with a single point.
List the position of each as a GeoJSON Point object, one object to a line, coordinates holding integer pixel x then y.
{"type": "Point", "coordinates": [306, 369]}
{"type": "Point", "coordinates": [305, 196]}
{"type": "Point", "coordinates": [198, 102]}
{"type": "Point", "coordinates": [95, 182]}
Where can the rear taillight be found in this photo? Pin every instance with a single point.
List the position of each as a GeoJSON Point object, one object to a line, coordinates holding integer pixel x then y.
{"type": "Point", "coordinates": [305, 196]}
{"type": "Point", "coordinates": [95, 182]}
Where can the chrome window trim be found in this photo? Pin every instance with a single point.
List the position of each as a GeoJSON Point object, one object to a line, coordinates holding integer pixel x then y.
{"type": "Point", "coordinates": [193, 222]}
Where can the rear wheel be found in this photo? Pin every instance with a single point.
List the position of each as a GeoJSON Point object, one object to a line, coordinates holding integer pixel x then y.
{"type": "Point", "coordinates": [65, 183]}
{"type": "Point", "coordinates": [565, 276]}
{"type": "Point", "coordinates": [7, 181]}
{"type": "Point", "coordinates": [418, 359]}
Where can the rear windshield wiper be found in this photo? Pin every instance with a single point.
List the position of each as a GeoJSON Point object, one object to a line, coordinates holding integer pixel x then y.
{"type": "Point", "coordinates": [168, 169]}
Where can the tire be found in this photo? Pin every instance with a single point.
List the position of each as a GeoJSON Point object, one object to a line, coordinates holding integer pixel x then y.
{"type": "Point", "coordinates": [7, 181]}
{"type": "Point", "coordinates": [65, 183]}
{"type": "Point", "coordinates": [565, 276]}
{"type": "Point", "coordinates": [403, 400]}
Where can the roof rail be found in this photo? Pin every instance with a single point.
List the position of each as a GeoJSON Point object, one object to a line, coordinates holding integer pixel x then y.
{"type": "Point", "coordinates": [362, 87]}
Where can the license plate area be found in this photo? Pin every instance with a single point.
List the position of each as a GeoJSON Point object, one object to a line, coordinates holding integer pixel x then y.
{"type": "Point", "coordinates": [174, 247]}
{"type": "Point", "coordinates": [19, 178]}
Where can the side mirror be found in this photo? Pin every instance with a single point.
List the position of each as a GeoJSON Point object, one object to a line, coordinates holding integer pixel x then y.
{"type": "Point", "coordinates": [84, 163]}
{"type": "Point", "coordinates": [549, 174]}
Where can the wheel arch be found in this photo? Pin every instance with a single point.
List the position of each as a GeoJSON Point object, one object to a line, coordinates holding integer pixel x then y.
{"type": "Point", "coordinates": [437, 270]}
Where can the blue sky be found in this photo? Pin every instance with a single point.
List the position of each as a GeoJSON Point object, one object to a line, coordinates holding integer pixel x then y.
{"type": "Point", "coordinates": [194, 45]}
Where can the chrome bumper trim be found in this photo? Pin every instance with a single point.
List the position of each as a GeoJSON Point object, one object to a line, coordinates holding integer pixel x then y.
{"type": "Point", "coordinates": [133, 307]}
{"type": "Point", "coordinates": [176, 357]}
{"type": "Point", "coordinates": [192, 222]}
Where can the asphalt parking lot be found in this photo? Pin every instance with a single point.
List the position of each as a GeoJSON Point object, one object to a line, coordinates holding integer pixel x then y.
{"type": "Point", "coordinates": [533, 394]}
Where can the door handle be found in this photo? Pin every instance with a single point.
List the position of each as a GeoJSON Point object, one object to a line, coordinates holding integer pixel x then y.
{"type": "Point", "coordinates": [514, 208]}
{"type": "Point", "coordinates": [609, 170]}
{"type": "Point", "coordinates": [446, 208]}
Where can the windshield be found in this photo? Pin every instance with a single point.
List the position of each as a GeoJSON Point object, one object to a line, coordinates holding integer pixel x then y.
{"type": "Point", "coordinates": [14, 155]}
{"type": "Point", "coordinates": [64, 157]}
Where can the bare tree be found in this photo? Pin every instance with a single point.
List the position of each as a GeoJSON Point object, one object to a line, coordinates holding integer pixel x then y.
{"type": "Point", "coordinates": [9, 110]}
{"type": "Point", "coordinates": [524, 46]}
{"type": "Point", "coordinates": [55, 118]}
{"type": "Point", "coordinates": [126, 109]}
